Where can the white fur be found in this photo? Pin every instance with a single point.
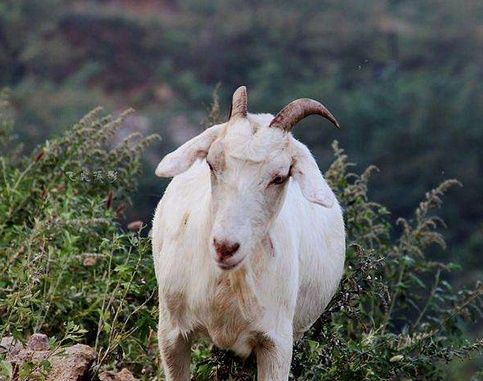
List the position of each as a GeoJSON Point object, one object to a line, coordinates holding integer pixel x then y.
{"type": "Point", "coordinates": [291, 236]}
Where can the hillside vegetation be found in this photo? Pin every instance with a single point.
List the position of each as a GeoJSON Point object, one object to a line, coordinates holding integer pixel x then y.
{"type": "Point", "coordinates": [71, 272]}
{"type": "Point", "coordinates": [404, 78]}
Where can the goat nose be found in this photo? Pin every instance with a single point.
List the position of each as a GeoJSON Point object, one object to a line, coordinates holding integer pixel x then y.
{"type": "Point", "coordinates": [225, 249]}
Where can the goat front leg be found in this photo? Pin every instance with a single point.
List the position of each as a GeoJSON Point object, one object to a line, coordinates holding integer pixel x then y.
{"type": "Point", "coordinates": [175, 351]}
{"type": "Point", "coordinates": [274, 356]}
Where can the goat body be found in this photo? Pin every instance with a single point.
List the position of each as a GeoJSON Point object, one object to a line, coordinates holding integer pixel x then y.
{"type": "Point", "coordinates": [263, 303]}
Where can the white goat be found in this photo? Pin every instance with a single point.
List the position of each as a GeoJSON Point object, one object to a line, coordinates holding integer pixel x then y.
{"type": "Point", "coordinates": [248, 242]}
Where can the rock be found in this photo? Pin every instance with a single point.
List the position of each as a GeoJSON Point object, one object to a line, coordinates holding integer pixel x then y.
{"type": "Point", "coordinates": [66, 364]}
{"type": "Point", "coordinates": [17, 355]}
{"type": "Point", "coordinates": [38, 342]}
{"type": "Point", "coordinates": [72, 364]}
{"type": "Point", "coordinates": [10, 346]}
{"type": "Point", "coordinates": [123, 375]}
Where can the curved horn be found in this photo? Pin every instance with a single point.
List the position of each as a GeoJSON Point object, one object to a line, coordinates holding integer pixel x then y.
{"type": "Point", "coordinates": [295, 111]}
{"type": "Point", "coordinates": [239, 103]}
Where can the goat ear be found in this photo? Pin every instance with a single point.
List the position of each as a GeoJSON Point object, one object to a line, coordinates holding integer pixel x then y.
{"type": "Point", "coordinates": [307, 174]}
{"type": "Point", "coordinates": [181, 159]}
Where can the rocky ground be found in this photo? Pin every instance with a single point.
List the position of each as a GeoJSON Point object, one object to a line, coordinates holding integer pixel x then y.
{"type": "Point", "coordinates": [36, 361]}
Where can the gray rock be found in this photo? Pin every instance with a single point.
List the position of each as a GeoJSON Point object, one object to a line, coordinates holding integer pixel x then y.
{"type": "Point", "coordinates": [10, 345]}
{"type": "Point", "coordinates": [38, 342]}
{"type": "Point", "coordinates": [67, 364]}
{"type": "Point", "coordinates": [72, 364]}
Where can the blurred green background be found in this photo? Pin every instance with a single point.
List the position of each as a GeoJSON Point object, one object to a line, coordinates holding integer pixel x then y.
{"type": "Point", "coordinates": [404, 79]}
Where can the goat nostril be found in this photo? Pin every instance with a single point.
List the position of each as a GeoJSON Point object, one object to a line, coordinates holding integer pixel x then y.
{"type": "Point", "coordinates": [225, 249]}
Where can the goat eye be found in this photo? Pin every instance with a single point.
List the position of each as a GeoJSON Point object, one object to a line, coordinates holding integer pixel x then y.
{"type": "Point", "coordinates": [278, 180]}
{"type": "Point", "coordinates": [209, 165]}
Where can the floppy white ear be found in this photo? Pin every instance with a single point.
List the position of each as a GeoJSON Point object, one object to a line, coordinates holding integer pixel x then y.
{"type": "Point", "coordinates": [307, 174]}
{"type": "Point", "coordinates": [181, 159]}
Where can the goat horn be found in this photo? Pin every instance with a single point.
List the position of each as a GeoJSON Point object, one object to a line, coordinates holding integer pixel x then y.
{"type": "Point", "coordinates": [297, 110]}
{"type": "Point", "coordinates": [239, 103]}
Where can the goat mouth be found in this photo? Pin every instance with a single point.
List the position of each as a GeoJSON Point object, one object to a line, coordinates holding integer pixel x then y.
{"type": "Point", "coordinates": [226, 267]}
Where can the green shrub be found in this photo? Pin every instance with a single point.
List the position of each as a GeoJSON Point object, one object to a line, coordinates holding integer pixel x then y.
{"type": "Point", "coordinates": [64, 258]}
{"type": "Point", "coordinates": [70, 271]}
